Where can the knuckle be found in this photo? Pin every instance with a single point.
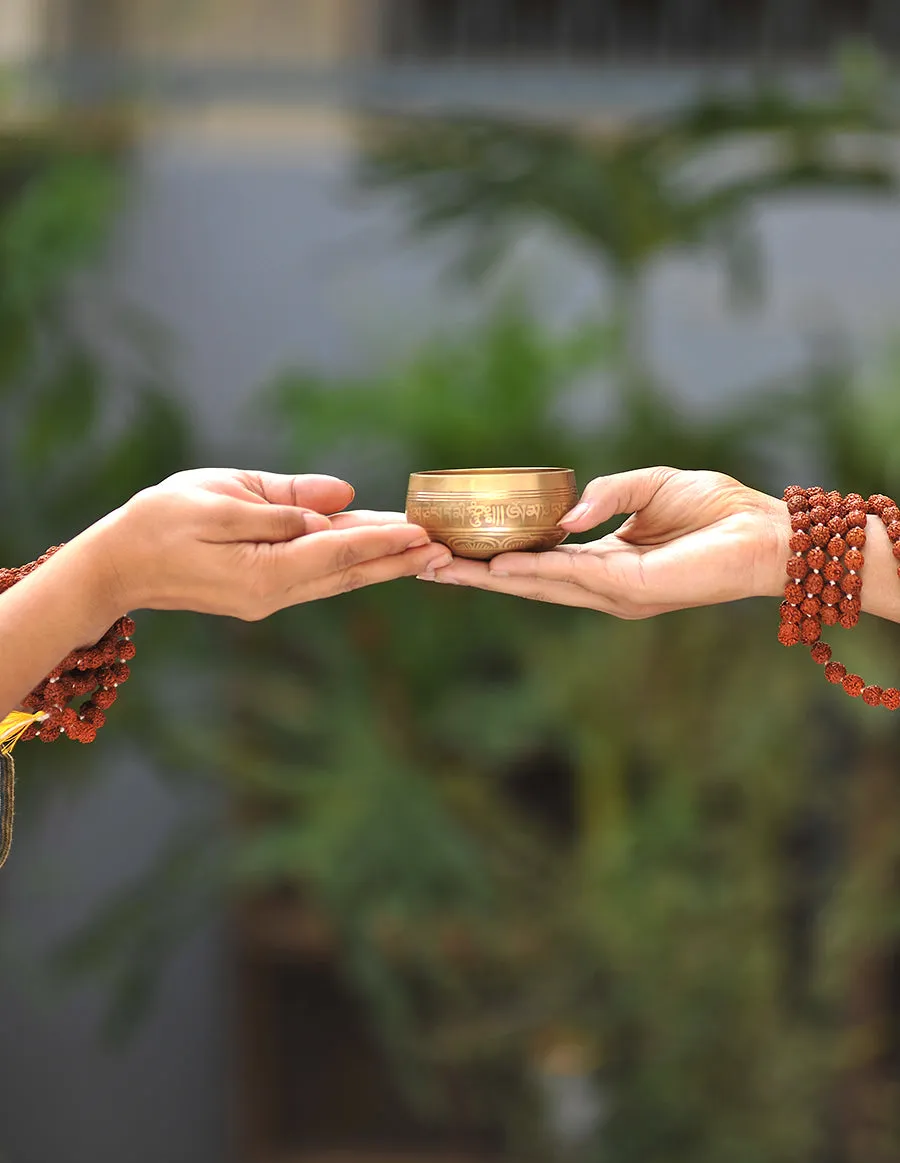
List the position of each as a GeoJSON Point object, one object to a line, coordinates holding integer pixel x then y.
{"type": "Point", "coordinates": [347, 557]}
{"type": "Point", "coordinates": [351, 579]}
{"type": "Point", "coordinates": [288, 524]}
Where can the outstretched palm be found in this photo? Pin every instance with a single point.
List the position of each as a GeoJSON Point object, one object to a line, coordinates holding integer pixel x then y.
{"type": "Point", "coordinates": [693, 539]}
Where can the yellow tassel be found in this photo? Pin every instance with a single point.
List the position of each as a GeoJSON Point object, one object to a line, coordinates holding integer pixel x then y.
{"type": "Point", "coordinates": [13, 727]}
{"type": "Point", "coordinates": [11, 730]}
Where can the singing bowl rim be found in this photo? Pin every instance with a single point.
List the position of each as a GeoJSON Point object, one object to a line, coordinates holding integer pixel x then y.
{"type": "Point", "coordinates": [482, 480]}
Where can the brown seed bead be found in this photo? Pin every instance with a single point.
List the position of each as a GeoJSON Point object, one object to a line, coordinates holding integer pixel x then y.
{"type": "Point", "coordinates": [794, 593]}
{"type": "Point", "coordinates": [815, 491]}
{"type": "Point", "coordinates": [838, 526]}
{"type": "Point", "coordinates": [872, 695]}
{"type": "Point", "coordinates": [126, 626]}
{"type": "Point", "coordinates": [105, 697]}
{"type": "Point", "coordinates": [816, 558]}
{"type": "Point", "coordinates": [877, 502]}
{"type": "Point", "coordinates": [788, 635]}
{"type": "Point", "coordinates": [831, 594]}
{"type": "Point", "coordinates": [834, 498]}
{"type": "Point", "coordinates": [893, 531]}
{"type": "Point", "coordinates": [791, 614]}
{"type": "Point", "coordinates": [794, 491]}
{"type": "Point", "coordinates": [853, 685]}
{"type": "Point", "coordinates": [800, 542]}
{"type": "Point", "coordinates": [814, 583]}
{"type": "Point", "coordinates": [93, 716]}
{"type": "Point", "coordinates": [821, 653]}
{"type": "Point", "coordinates": [856, 538]}
{"type": "Point", "coordinates": [829, 616]}
{"type": "Point", "coordinates": [849, 605]}
{"type": "Point", "coordinates": [890, 513]}
{"type": "Point", "coordinates": [811, 607]}
{"type": "Point", "coordinates": [836, 547]}
{"type": "Point", "coordinates": [819, 514]}
{"type": "Point", "coordinates": [858, 518]}
{"type": "Point", "coordinates": [848, 621]}
{"type": "Point", "coordinates": [796, 503]}
{"type": "Point", "coordinates": [854, 559]}
{"type": "Point", "coordinates": [854, 501]}
{"type": "Point", "coordinates": [851, 584]}
{"type": "Point", "coordinates": [810, 631]}
{"type": "Point", "coordinates": [800, 521]}
{"type": "Point", "coordinates": [796, 568]}
{"type": "Point", "coordinates": [820, 534]}
{"type": "Point", "coordinates": [833, 571]}
{"type": "Point", "coordinates": [127, 651]}
{"type": "Point", "coordinates": [890, 698]}
{"type": "Point", "coordinates": [82, 733]}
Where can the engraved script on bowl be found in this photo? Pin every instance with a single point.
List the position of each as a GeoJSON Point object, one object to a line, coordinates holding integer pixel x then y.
{"type": "Point", "coordinates": [478, 513]}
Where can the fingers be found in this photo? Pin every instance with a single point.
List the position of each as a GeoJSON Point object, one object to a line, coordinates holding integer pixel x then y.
{"type": "Point", "coordinates": [337, 551]}
{"type": "Point", "coordinates": [569, 567]}
{"type": "Point", "coordinates": [411, 563]}
{"type": "Point", "coordinates": [324, 494]}
{"type": "Point", "coordinates": [245, 521]}
{"type": "Point", "coordinates": [477, 575]}
{"type": "Point", "coordinates": [624, 492]}
{"type": "Point", "coordinates": [357, 517]}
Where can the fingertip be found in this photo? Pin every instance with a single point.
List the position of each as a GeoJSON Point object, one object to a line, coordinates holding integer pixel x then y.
{"type": "Point", "coordinates": [505, 564]}
{"type": "Point", "coordinates": [576, 516]}
{"type": "Point", "coordinates": [315, 522]}
{"type": "Point", "coordinates": [418, 537]}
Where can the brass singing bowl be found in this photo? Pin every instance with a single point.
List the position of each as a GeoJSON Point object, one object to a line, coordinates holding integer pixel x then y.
{"type": "Point", "coordinates": [480, 512]}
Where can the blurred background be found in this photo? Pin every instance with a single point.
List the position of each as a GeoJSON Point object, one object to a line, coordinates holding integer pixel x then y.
{"type": "Point", "coordinates": [440, 876]}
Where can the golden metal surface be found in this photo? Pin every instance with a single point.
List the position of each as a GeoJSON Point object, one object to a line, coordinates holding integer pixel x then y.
{"type": "Point", "coordinates": [480, 512]}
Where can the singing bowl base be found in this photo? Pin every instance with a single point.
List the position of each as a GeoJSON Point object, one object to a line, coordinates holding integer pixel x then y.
{"type": "Point", "coordinates": [463, 544]}
{"type": "Point", "coordinates": [478, 513]}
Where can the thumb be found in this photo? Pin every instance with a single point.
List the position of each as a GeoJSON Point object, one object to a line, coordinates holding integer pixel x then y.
{"type": "Point", "coordinates": [272, 523]}
{"type": "Point", "coordinates": [622, 492]}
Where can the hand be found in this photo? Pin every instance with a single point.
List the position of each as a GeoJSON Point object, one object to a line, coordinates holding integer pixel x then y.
{"type": "Point", "coordinates": [245, 544]}
{"type": "Point", "coordinates": [693, 539]}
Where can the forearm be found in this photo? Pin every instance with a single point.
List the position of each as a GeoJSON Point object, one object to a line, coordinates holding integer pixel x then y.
{"type": "Point", "coordinates": [70, 601]}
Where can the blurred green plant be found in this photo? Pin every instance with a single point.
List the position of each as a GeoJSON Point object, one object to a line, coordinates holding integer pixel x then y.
{"type": "Point", "coordinates": [627, 194]}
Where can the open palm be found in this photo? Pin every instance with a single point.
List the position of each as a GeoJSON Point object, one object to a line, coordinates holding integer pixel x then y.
{"type": "Point", "coordinates": [692, 539]}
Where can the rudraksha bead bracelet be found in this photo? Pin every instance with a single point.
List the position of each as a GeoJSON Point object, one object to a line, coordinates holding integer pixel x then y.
{"type": "Point", "coordinates": [93, 674]}
{"type": "Point", "coordinates": [824, 587]}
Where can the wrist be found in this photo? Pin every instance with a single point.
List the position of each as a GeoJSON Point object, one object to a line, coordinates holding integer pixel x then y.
{"type": "Point", "coordinates": [94, 565]}
{"type": "Point", "coordinates": [773, 533]}
{"type": "Point", "coordinates": [881, 588]}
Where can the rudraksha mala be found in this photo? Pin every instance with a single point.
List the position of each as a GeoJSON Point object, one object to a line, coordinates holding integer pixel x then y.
{"type": "Point", "coordinates": [93, 674]}
{"type": "Point", "coordinates": [824, 571]}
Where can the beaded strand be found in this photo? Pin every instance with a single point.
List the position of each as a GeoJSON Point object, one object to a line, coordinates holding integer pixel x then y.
{"type": "Point", "coordinates": [824, 587]}
{"type": "Point", "coordinates": [93, 673]}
